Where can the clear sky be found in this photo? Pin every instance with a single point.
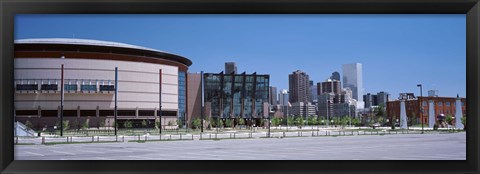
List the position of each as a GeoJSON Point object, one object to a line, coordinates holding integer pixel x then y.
{"type": "Point", "coordinates": [397, 51]}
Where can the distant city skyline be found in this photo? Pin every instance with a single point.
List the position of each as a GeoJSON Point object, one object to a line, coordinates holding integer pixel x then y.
{"type": "Point", "coordinates": [397, 52]}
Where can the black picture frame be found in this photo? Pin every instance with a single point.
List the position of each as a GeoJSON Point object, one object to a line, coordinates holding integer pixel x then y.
{"type": "Point", "coordinates": [10, 8]}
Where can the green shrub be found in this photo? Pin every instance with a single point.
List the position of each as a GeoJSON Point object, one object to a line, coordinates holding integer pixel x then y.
{"type": "Point", "coordinates": [196, 123]}
{"type": "Point", "coordinates": [228, 122]}
{"type": "Point", "coordinates": [290, 121]}
{"type": "Point", "coordinates": [86, 124]}
{"type": "Point", "coordinates": [220, 123]}
{"type": "Point", "coordinates": [128, 124]}
{"type": "Point", "coordinates": [179, 122]}
{"type": "Point", "coordinates": [241, 121]}
{"type": "Point", "coordinates": [65, 125]}
{"type": "Point", "coordinates": [144, 123]}
{"type": "Point", "coordinates": [276, 121]}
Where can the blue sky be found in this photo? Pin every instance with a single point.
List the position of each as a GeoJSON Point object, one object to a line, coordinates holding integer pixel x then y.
{"type": "Point", "coordinates": [397, 51]}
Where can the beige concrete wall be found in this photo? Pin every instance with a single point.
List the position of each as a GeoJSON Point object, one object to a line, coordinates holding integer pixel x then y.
{"type": "Point", "coordinates": [137, 86]}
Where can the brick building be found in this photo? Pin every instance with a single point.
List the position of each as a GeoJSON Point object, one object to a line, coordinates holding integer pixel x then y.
{"type": "Point", "coordinates": [442, 105]}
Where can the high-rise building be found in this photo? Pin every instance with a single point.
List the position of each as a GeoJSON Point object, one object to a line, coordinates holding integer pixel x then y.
{"type": "Point", "coordinates": [333, 102]}
{"type": "Point", "coordinates": [283, 101]}
{"type": "Point", "coordinates": [325, 105]}
{"type": "Point", "coordinates": [283, 98]}
{"type": "Point", "coordinates": [230, 67]}
{"type": "Point", "coordinates": [272, 100]}
{"type": "Point", "coordinates": [352, 78]}
{"type": "Point", "coordinates": [303, 109]}
{"type": "Point", "coordinates": [299, 87]}
{"type": "Point", "coordinates": [370, 100]}
{"type": "Point", "coordinates": [335, 76]}
{"type": "Point", "coordinates": [313, 92]}
{"type": "Point", "coordinates": [382, 98]}
{"type": "Point", "coordinates": [329, 86]}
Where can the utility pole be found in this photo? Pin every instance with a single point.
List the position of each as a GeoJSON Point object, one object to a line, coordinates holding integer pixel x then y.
{"type": "Point", "coordinates": [160, 99]}
{"type": "Point", "coordinates": [116, 99]}
{"type": "Point", "coordinates": [61, 102]}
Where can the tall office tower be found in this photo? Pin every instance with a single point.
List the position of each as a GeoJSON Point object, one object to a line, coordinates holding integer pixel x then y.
{"type": "Point", "coordinates": [329, 86]}
{"type": "Point", "coordinates": [352, 78]}
{"type": "Point", "coordinates": [335, 76]}
{"type": "Point", "coordinates": [299, 87]}
{"type": "Point", "coordinates": [283, 98]}
{"type": "Point", "coordinates": [272, 98]}
{"type": "Point", "coordinates": [313, 94]}
{"type": "Point", "coordinates": [312, 91]}
{"type": "Point", "coordinates": [382, 98]}
{"type": "Point", "coordinates": [370, 100]}
{"type": "Point", "coordinates": [230, 67]}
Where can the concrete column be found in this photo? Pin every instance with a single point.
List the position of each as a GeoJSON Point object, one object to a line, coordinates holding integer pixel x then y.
{"type": "Point", "coordinates": [78, 111]}
{"type": "Point", "coordinates": [155, 112]}
{"type": "Point", "coordinates": [39, 112]}
{"type": "Point", "coordinates": [136, 112]}
{"type": "Point", "coordinates": [97, 113]}
{"type": "Point", "coordinates": [458, 114]}
{"type": "Point", "coordinates": [403, 115]}
{"type": "Point", "coordinates": [431, 114]}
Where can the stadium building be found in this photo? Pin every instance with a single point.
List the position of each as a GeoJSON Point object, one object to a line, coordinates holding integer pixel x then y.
{"type": "Point", "coordinates": [89, 83]}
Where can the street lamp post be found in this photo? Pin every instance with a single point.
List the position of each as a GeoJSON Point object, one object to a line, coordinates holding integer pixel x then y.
{"type": "Point", "coordinates": [420, 106]}
{"type": "Point", "coordinates": [328, 119]}
{"type": "Point", "coordinates": [269, 122]}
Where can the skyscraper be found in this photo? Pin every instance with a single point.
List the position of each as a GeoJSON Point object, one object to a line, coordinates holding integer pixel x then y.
{"type": "Point", "coordinates": [283, 101]}
{"type": "Point", "coordinates": [230, 67]}
{"type": "Point", "coordinates": [352, 78]}
{"type": "Point", "coordinates": [335, 76]}
{"type": "Point", "coordinates": [299, 87]}
{"type": "Point", "coordinates": [283, 98]}
{"type": "Point", "coordinates": [329, 86]}
{"type": "Point", "coordinates": [382, 98]}
{"type": "Point", "coordinates": [312, 91]}
{"type": "Point", "coordinates": [272, 95]}
{"type": "Point", "coordinates": [370, 100]}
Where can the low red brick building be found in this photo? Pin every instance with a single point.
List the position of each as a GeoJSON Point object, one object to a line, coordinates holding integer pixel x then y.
{"type": "Point", "coordinates": [442, 105]}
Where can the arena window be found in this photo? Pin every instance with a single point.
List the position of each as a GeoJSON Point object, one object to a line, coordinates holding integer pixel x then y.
{"type": "Point", "coordinates": [50, 87]}
{"type": "Point", "coordinates": [27, 87]}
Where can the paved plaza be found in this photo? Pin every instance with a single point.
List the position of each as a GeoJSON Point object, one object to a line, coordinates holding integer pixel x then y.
{"type": "Point", "coordinates": [372, 147]}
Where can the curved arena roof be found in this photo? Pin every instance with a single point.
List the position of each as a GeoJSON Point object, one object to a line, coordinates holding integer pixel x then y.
{"type": "Point", "coordinates": [99, 43]}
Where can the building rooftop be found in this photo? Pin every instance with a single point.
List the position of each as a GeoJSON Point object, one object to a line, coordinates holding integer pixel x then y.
{"type": "Point", "coordinates": [99, 43]}
{"type": "Point", "coordinates": [75, 41]}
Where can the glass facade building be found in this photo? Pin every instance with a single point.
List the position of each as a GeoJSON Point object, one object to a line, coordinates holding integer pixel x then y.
{"type": "Point", "coordinates": [182, 86]}
{"type": "Point", "coordinates": [236, 95]}
{"type": "Point", "coordinates": [352, 78]}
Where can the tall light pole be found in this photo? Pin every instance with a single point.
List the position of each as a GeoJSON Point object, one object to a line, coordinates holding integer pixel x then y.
{"type": "Point", "coordinates": [203, 101]}
{"type": "Point", "coordinates": [116, 94]}
{"type": "Point", "coordinates": [160, 101]}
{"type": "Point", "coordinates": [327, 101]}
{"type": "Point", "coordinates": [61, 102]}
{"type": "Point", "coordinates": [420, 106]}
